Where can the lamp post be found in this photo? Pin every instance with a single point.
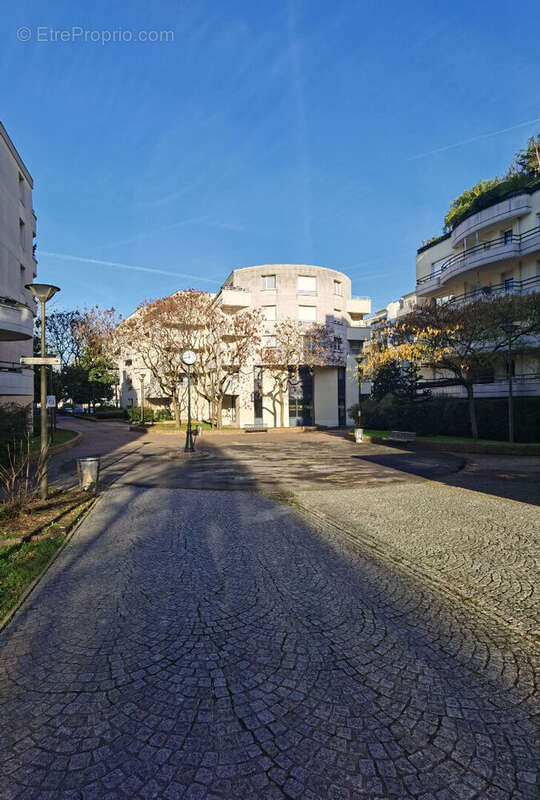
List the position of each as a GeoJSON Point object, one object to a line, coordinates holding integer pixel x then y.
{"type": "Point", "coordinates": [141, 378]}
{"type": "Point", "coordinates": [509, 328]}
{"type": "Point", "coordinates": [43, 292]}
{"type": "Point", "coordinates": [189, 358]}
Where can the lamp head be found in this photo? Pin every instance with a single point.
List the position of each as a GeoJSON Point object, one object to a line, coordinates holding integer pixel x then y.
{"type": "Point", "coordinates": [42, 291]}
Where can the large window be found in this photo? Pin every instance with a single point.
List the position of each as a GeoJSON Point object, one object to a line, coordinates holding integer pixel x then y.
{"type": "Point", "coordinates": [307, 313]}
{"type": "Point", "coordinates": [307, 284]}
{"type": "Point", "coordinates": [268, 282]}
{"type": "Point", "coordinates": [269, 312]}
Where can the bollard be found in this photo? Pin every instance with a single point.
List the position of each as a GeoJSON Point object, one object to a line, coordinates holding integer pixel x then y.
{"type": "Point", "coordinates": [358, 435]}
{"type": "Point", "coordinates": [88, 472]}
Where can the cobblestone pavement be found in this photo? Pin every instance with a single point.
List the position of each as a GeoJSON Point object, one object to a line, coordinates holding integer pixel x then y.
{"type": "Point", "coordinates": [205, 644]}
{"type": "Point", "coordinates": [483, 547]}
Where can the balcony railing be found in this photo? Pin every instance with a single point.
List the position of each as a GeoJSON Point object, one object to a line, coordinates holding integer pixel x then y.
{"type": "Point", "coordinates": [505, 246]}
{"type": "Point", "coordinates": [508, 287]}
{"type": "Point", "coordinates": [524, 384]}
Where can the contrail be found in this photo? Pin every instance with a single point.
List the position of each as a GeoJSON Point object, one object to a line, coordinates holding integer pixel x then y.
{"type": "Point", "coordinates": [133, 267]}
{"type": "Point", "coordinates": [473, 139]}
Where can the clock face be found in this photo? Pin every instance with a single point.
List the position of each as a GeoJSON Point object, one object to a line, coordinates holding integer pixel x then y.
{"type": "Point", "coordinates": [189, 357]}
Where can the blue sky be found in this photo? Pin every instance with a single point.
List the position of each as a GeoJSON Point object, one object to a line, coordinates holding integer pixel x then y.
{"type": "Point", "coordinates": [276, 132]}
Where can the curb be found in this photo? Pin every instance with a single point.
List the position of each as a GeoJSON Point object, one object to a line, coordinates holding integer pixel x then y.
{"type": "Point", "coordinates": [393, 559]}
{"type": "Point", "coordinates": [6, 619]}
{"type": "Point", "coordinates": [59, 448]}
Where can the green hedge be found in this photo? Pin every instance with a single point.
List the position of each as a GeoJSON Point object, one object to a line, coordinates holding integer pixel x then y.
{"type": "Point", "coordinates": [110, 413]}
{"type": "Point", "coordinates": [134, 414]}
{"type": "Point", "coordinates": [14, 420]}
{"type": "Point", "coordinates": [449, 416]}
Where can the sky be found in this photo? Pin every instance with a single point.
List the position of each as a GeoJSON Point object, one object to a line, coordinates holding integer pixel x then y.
{"type": "Point", "coordinates": [297, 131]}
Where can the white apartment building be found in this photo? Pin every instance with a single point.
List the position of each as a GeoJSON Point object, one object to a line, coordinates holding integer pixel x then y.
{"type": "Point", "coordinates": [494, 251]}
{"type": "Point", "coordinates": [309, 294]}
{"type": "Point", "coordinates": [17, 267]}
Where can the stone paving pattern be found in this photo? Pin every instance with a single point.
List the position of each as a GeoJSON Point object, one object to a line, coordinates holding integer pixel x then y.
{"type": "Point", "coordinates": [214, 645]}
{"type": "Point", "coordinates": [486, 547]}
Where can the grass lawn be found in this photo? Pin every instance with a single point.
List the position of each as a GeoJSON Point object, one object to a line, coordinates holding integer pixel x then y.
{"type": "Point", "coordinates": [455, 439]}
{"type": "Point", "coordinates": [59, 437]}
{"type": "Point", "coordinates": [30, 537]}
{"type": "Point", "coordinates": [170, 427]}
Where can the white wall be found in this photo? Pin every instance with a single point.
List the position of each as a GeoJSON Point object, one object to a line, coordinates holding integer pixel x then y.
{"type": "Point", "coordinates": [325, 394]}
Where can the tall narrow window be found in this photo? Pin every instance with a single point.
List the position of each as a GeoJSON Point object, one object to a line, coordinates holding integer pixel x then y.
{"type": "Point", "coordinates": [268, 282]}
{"type": "Point", "coordinates": [507, 236]}
{"type": "Point", "coordinates": [337, 288]}
{"type": "Point", "coordinates": [22, 234]}
{"type": "Point", "coordinates": [21, 188]}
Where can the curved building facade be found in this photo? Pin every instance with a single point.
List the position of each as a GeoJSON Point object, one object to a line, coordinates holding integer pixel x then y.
{"type": "Point", "coordinates": [310, 295]}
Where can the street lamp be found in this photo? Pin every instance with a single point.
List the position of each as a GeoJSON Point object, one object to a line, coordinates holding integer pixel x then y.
{"type": "Point", "coordinates": [189, 358]}
{"type": "Point", "coordinates": [141, 378]}
{"type": "Point", "coordinates": [510, 328]}
{"type": "Point", "coordinates": [43, 292]}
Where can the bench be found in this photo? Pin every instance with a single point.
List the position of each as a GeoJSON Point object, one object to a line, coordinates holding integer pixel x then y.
{"type": "Point", "coordinates": [403, 436]}
{"type": "Point", "coordinates": [255, 428]}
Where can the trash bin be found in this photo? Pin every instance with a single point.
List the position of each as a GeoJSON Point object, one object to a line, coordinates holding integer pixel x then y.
{"type": "Point", "coordinates": [88, 472]}
{"type": "Point", "coordinates": [358, 435]}
{"type": "Point", "coordinates": [198, 430]}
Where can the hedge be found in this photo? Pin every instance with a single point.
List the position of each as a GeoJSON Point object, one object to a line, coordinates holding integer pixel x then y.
{"type": "Point", "coordinates": [14, 421]}
{"type": "Point", "coordinates": [110, 413]}
{"type": "Point", "coordinates": [449, 416]}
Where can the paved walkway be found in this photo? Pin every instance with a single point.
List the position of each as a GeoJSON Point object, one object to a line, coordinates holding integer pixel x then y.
{"type": "Point", "coordinates": [206, 644]}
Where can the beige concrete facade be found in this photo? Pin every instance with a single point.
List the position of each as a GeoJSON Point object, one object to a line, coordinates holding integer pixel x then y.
{"type": "Point", "coordinates": [306, 293]}
{"type": "Point", "coordinates": [493, 252]}
{"type": "Point", "coordinates": [17, 267]}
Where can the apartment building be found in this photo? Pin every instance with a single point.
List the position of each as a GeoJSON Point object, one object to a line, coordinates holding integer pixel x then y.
{"type": "Point", "coordinates": [495, 251]}
{"type": "Point", "coordinates": [17, 267]}
{"type": "Point", "coordinates": [309, 294]}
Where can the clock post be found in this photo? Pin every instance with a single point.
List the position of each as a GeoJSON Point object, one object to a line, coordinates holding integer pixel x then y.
{"type": "Point", "coordinates": [189, 358]}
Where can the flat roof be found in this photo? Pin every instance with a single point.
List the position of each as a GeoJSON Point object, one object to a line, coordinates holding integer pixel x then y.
{"type": "Point", "coordinates": [13, 150]}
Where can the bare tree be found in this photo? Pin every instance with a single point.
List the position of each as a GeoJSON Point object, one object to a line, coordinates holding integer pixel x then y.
{"type": "Point", "coordinates": [289, 346]}
{"type": "Point", "coordinates": [159, 332]}
{"type": "Point", "coordinates": [226, 345]}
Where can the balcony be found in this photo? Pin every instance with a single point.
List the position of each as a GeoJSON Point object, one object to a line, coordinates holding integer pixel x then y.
{"type": "Point", "coordinates": [358, 306]}
{"type": "Point", "coordinates": [233, 298]}
{"type": "Point", "coordinates": [482, 254]}
{"type": "Point", "coordinates": [509, 287]}
{"type": "Point", "coordinates": [16, 321]}
{"type": "Point", "coordinates": [358, 334]}
{"type": "Point", "coordinates": [15, 380]}
{"type": "Point", "coordinates": [505, 211]}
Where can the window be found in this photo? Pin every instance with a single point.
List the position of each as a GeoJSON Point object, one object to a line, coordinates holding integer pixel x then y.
{"type": "Point", "coordinates": [129, 362]}
{"type": "Point", "coordinates": [507, 236]}
{"type": "Point", "coordinates": [508, 281]}
{"type": "Point", "coordinates": [269, 341]}
{"type": "Point", "coordinates": [22, 235]}
{"type": "Point", "coordinates": [21, 188]}
{"type": "Point", "coordinates": [307, 284]}
{"type": "Point", "coordinates": [268, 282]}
{"type": "Point", "coordinates": [307, 313]}
{"type": "Point", "coordinates": [337, 288]}
{"type": "Point", "coordinates": [269, 312]}
{"type": "Point", "coordinates": [538, 220]}
{"type": "Point", "coordinates": [337, 316]}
